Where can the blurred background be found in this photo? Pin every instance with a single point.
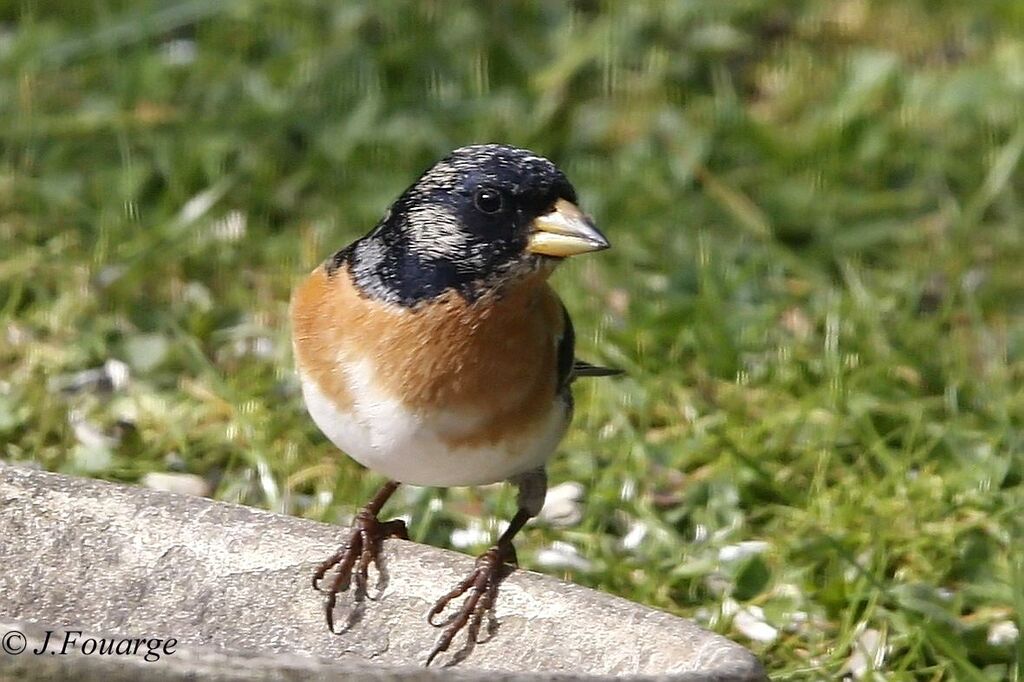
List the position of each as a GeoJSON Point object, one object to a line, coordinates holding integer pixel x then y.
{"type": "Point", "coordinates": [816, 285]}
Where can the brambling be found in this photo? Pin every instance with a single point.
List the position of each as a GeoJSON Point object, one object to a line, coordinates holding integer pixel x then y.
{"type": "Point", "coordinates": [434, 352]}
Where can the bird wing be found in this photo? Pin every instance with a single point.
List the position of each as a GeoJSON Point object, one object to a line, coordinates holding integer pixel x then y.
{"type": "Point", "coordinates": [570, 367]}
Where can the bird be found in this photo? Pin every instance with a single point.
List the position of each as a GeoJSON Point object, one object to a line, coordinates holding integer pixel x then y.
{"type": "Point", "coordinates": [433, 351]}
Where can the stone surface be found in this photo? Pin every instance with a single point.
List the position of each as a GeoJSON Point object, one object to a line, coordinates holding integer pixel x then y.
{"type": "Point", "coordinates": [232, 585]}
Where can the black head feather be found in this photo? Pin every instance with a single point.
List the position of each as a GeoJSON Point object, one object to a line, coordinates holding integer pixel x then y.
{"type": "Point", "coordinates": [462, 225]}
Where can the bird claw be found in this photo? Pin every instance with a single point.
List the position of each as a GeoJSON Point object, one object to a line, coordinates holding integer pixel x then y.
{"type": "Point", "coordinates": [482, 585]}
{"type": "Point", "coordinates": [353, 560]}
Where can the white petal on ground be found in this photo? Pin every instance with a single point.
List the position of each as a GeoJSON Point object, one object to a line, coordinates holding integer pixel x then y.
{"type": "Point", "coordinates": [117, 372]}
{"type": "Point", "coordinates": [563, 556]}
{"type": "Point", "coordinates": [196, 207]}
{"type": "Point", "coordinates": [113, 375]}
{"type": "Point", "coordinates": [89, 434]}
{"type": "Point", "coordinates": [749, 621]}
{"type": "Point", "coordinates": [180, 52]}
{"type": "Point", "coordinates": [186, 484]}
{"type": "Point", "coordinates": [742, 550]}
{"type": "Point", "coordinates": [230, 228]}
{"type": "Point", "coordinates": [91, 459]}
{"type": "Point", "coordinates": [1003, 633]}
{"type": "Point", "coordinates": [471, 536]}
{"type": "Point", "coordinates": [868, 654]}
{"type": "Point", "coordinates": [634, 536]}
{"type": "Point", "coordinates": [628, 490]}
{"type": "Point", "coordinates": [562, 505]}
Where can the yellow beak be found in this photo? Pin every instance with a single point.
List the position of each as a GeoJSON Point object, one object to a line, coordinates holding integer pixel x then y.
{"type": "Point", "coordinates": [564, 232]}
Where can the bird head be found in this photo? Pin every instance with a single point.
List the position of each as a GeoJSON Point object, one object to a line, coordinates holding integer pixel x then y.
{"type": "Point", "coordinates": [481, 216]}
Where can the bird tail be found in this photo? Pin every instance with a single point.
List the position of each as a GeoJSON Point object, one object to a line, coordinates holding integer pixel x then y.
{"type": "Point", "coordinates": [582, 368]}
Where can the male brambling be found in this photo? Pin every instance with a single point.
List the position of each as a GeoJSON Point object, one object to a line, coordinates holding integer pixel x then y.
{"type": "Point", "coordinates": [434, 352]}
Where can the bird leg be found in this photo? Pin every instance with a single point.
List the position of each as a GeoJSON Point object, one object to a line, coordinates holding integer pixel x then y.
{"type": "Point", "coordinates": [491, 568]}
{"type": "Point", "coordinates": [363, 548]}
{"type": "Point", "coordinates": [482, 585]}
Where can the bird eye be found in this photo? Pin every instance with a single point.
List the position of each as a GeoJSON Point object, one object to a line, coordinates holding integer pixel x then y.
{"type": "Point", "coordinates": [488, 200]}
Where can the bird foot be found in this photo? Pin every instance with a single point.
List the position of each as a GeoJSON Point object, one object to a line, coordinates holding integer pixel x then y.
{"type": "Point", "coordinates": [353, 561]}
{"type": "Point", "coordinates": [491, 568]}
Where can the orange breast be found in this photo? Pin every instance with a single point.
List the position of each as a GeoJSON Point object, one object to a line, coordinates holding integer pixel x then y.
{"type": "Point", "coordinates": [496, 356]}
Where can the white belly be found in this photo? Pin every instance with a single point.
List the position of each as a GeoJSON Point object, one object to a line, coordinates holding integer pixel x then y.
{"type": "Point", "coordinates": [381, 434]}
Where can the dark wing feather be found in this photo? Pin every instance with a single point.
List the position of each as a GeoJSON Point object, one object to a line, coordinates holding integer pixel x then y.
{"type": "Point", "coordinates": [569, 367]}
{"type": "Point", "coordinates": [566, 353]}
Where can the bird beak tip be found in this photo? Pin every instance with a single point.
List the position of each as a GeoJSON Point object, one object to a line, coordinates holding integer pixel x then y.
{"type": "Point", "coordinates": [565, 231]}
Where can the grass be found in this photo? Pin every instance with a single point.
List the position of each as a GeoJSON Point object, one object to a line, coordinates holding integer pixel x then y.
{"type": "Point", "coordinates": [816, 286]}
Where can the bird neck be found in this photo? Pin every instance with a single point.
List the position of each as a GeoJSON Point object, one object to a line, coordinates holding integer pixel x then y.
{"type": "Point", "coordinates": [384, 268]}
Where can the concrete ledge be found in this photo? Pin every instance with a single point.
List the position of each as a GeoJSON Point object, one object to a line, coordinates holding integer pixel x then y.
{"type": "Point", "coordinates": [231, 585]}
